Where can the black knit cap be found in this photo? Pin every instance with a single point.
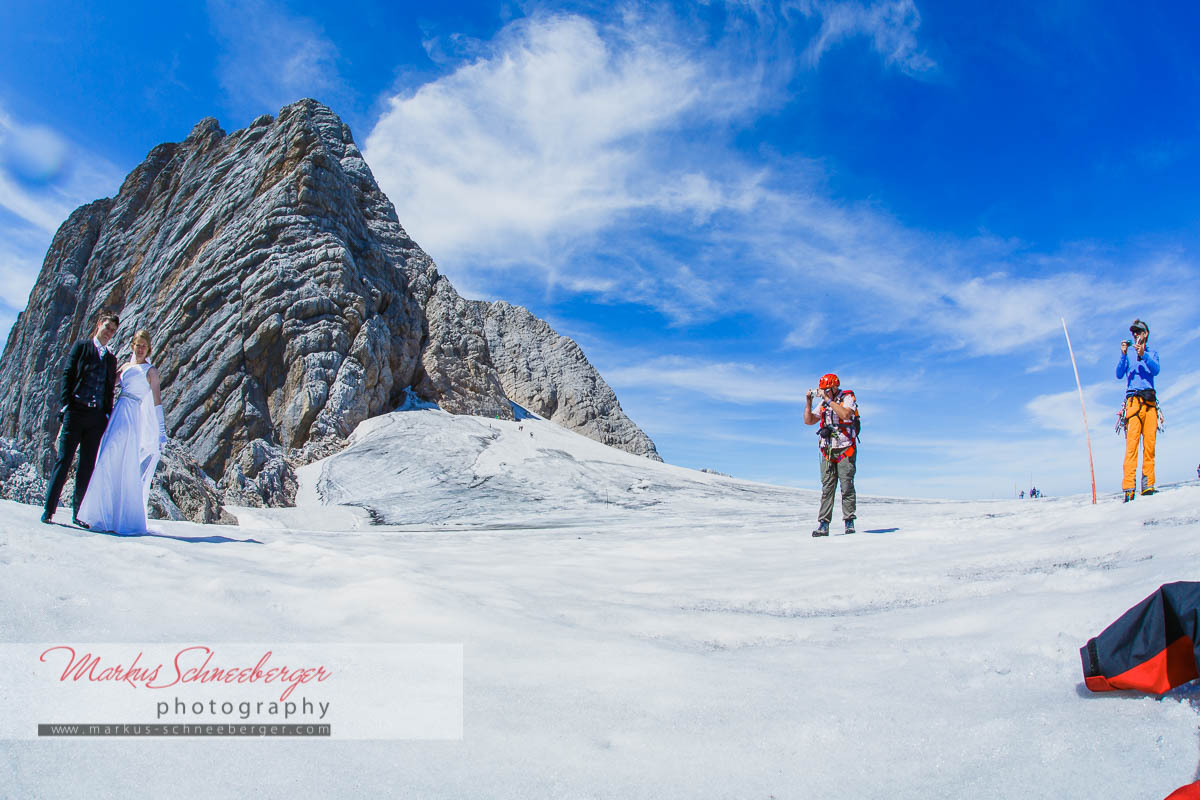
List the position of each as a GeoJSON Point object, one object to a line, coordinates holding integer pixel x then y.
{"type": "Point", "coordinates": [1138, 325]}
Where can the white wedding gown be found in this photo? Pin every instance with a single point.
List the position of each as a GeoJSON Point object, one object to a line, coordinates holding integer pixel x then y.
{"type": "Point", "coordinates": [117, 494]}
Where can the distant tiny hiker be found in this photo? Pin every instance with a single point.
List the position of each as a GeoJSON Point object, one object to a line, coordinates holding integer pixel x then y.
{"type": "Point", "coordinates": [837, 413]}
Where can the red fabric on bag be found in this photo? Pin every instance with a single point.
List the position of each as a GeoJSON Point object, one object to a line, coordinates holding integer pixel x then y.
{"type": "Point", "coordinates": [1173, 666]}
{"type": "Point", "coordinates": [1189, 792]}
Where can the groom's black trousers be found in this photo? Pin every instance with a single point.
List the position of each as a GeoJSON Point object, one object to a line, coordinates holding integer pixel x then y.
{"type": "Point", "coordinates": [82, 430]}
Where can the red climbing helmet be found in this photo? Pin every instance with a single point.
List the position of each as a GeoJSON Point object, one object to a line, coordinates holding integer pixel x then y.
{"type": "Point", "coordinates": [828, 381]}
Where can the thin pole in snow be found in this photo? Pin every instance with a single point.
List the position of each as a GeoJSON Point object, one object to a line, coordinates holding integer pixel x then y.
{"type": "Point", "coordinates": [1086, 430]}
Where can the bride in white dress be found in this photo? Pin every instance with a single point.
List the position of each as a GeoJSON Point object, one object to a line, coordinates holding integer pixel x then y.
{"type": "Point", "coordinates": [117, 495]}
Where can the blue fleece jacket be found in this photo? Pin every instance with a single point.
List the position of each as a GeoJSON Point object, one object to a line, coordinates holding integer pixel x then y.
{"type": "Point", "coordinates": [1138, 372]}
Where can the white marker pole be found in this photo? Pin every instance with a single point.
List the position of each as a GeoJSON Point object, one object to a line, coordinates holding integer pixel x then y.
{"type": "Point", "coordinates": [1087, 432]}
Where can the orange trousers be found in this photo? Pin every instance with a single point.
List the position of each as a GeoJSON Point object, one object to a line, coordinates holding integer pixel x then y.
{"type": "Point", "coordinates": [1141, 422]}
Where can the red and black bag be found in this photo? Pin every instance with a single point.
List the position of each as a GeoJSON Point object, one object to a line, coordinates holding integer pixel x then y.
{"type": "Point", "coordinates": [1152, 647]}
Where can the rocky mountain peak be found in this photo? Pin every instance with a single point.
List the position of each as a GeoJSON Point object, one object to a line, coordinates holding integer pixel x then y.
{"type": "Point", "coordinates": [287, 305]}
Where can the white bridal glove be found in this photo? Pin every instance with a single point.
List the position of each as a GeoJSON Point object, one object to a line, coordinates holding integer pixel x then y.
{"type": "Point", "coordinates": [162, 426]}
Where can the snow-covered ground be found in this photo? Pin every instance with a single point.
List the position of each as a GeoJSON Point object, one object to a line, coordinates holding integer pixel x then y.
{"type": "Point", "coordinates": [633, 629]}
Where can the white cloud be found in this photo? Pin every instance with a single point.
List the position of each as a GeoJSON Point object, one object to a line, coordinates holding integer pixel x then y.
{"type": "Point", "coordinates": [598, 159]}
{"type": "Point", "coordinates": [806, 333]}
{"type": "Point", "coordinates": [1179, 400]}
{"type": "Point", "coordinates": [43, 178]}
{"type": "Point", "coordinates": [801, 255]}
{"type": "Point", "coordinates": [1001, 312]}
{"type": "Point", "coordinates": [732, 382]}
{"type": "Point", "coordinates": [561, 130]}
{"type": "Point", "coordinates": [891, 25]}
{"type": "Point", "coordinates": [1185, 387]}
{"type": "Point", "coordinates": [21, 252]}
{"type": "Point", "coordinates": [1060, 411]}
{"type": "Point", "coordinates": [744, 382]}
{"type": "Point", "coordinates": [272, 58]}
{"type": "Point", "coordinates": [44, 213]}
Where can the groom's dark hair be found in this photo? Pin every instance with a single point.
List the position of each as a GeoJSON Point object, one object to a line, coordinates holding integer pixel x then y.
{"type": "Point", "coordinates": [106, 316]}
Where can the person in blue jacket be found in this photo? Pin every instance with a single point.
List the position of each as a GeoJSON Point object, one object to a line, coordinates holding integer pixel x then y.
{"type": "Point", "coordinates": [1141, 407]}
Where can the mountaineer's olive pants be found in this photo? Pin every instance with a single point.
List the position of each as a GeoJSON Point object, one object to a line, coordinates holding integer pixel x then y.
{"type": "Point", "coordinates": [831, 474]}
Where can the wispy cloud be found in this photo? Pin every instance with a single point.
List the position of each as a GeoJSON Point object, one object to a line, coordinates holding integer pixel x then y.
{"type": "Point", "coordinates": [1060, 416]}
{"type": "Point", "coordinates": [1180, 402]}
{"type": "Point", "coordinates": [1003, 312]}
{"type": "Point", "coordinates": [806, 333]}
{"type": "Point", "coordinates": [605, 157]}
{"type": "Point", "coordinates": [43, 178]}
{"type": "Point", "coordinates": [272, 58]}
{"type": "Point", "coordinates": [597, 158]}
{"type": "Point", "coordinates": [890, 25]}
{"type": "Point", "coordinates": [745, 382]}
{"type": "Point", "coordinates": [740, 383]}
{"type": "Point", "coordinates": [40, 212]}
{"type": "Point", "coordinates": [21, 252]}
{"type": "Point", "coordinates": [563, 127]}
{"type": "Point", "coordinates": [796, 254]}
{"type": "Point", "coordinates": [1061, 411]}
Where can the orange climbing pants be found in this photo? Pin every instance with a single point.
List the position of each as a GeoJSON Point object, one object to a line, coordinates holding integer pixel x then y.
{"type": "Point", "coordinates": [1141, 422]}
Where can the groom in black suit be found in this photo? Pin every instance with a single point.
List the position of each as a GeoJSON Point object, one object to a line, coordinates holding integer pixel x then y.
{"type": "Point", "coordinates": [86, 403]}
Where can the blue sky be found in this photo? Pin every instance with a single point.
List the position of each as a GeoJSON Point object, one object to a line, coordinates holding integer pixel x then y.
{"type": "Point", "coordinates": [721, 201]}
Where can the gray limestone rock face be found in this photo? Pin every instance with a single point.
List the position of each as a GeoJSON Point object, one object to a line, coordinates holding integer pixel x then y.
{"type": "Point", "coordinates": [549, 375]}
{"type": "Point", "coordinates": [19, 479]}
{"type": "Point", "coordinates": [181, 490]}
{"type": "Point", "coordinates": [286, 303]}
{"type": "Point", "coordinates": [260, 476]}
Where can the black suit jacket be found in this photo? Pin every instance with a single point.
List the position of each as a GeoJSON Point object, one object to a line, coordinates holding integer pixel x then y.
{"type": "Point", "coordinates": [82, 355]}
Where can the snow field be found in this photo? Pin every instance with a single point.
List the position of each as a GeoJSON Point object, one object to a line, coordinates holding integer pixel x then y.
{"type": "Point", "coordinates": [634, 629]}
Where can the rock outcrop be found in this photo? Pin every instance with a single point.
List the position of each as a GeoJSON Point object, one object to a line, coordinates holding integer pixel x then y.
{"type": "Point", "coordinates": [18, 475]}
{"type": "Point", "coordinates": [181, 490]}
{"type": "Point", "coordinates": [555, 380]}
{"type": "Point", "coordinates": [287, 305]}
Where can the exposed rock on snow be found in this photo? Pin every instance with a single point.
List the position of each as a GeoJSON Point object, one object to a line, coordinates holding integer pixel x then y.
{"type": "Point", "coordinates": [19, 479]}
{"type": "Point", "coordinates": [287, 305]}
{"type": "Point", "coordinates": [260, 476]}
{"type": "Point", "coordinates": [181, 490]}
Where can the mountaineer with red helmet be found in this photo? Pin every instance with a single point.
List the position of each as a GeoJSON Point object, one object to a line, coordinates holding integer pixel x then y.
{"type": "Point", "coordinates": [837, 435]}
